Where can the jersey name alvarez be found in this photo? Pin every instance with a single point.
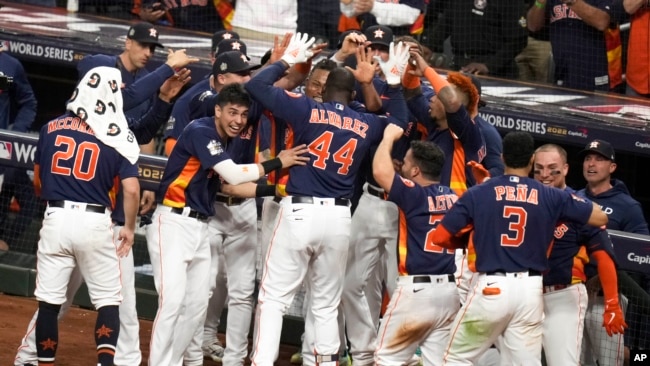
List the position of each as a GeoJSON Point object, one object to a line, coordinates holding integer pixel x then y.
{"type": "Point", "coordinates": [334, 119]}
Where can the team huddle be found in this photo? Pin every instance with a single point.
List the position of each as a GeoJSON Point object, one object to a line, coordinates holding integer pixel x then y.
{"type": "Point", "coordinates": [377, 186]}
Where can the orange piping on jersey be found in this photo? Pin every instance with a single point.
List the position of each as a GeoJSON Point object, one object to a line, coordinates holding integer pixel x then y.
{"type": "Point", "coordinates": [402, 250]}
{"type": "Point", "coordinates": [112, 193]}
{"type": "Point", "coordinates": [390, 315]}
{"type": "Point", "coordinates": [637, 72]}
{"type": "Point", "coordinates": [423, 131]}
{"type": "Point", "coordinates": [169, 145]}
{"type": "Point", "coordinates": [281, 185]}
{"type": "Point", "coordinates": [37, 180]}
{"type": "Point", "coordinates": [578, 270]}
{"type": "Point", "coordinates": [175, 195]}
{"type": "Point", "coordinates": [458, 180]}
{"type": "Point", "coordinates": [471, 253]}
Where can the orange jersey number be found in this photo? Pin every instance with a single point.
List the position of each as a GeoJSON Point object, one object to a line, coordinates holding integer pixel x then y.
{"type": "Point", "coordinates": [71, 149]}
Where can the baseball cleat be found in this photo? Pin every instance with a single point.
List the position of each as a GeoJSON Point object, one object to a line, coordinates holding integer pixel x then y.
{"type": "Point", "coordinates": [213, 351]}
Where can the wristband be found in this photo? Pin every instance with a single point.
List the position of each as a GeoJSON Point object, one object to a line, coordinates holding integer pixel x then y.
{"type": "Point", "coordinates": [271, 165]}
{"type": "Point", "coordinates": [540, 4]}
{"type": "Point", "coordinates": [263, 190]}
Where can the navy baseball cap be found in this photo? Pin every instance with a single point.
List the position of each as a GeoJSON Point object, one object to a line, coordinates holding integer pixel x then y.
{"type": "Point", "coordinates": [144, 33]}
{"type": "Point", "coordinates": [379, 35]}
{"type": "Point", "coordinates": [600, 147]}
{"type": "Point", "coordinates": [232, 61]}
{"type": "Point", "coordinates": [231, 44]}
{"type": "Point", "coordinates": [221, 35]}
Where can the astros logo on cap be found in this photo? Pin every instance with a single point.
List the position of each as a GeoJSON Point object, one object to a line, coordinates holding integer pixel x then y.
{"type": "Point", "coordinates": [379, 33]}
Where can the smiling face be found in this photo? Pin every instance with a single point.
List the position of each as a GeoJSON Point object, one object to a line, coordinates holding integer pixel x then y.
{"type": "Point", "coordinates": [597, 169]}
{"type": "Point", "coordinates": [230, 119]}
{"type": "Point", "coordinates": [550, 169]}
{"type": "Point", "coordinates": [316, 84]}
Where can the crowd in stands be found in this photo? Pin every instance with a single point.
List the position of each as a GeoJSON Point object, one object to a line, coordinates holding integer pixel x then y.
{"type": "Point", "coordinates": [570, 43]}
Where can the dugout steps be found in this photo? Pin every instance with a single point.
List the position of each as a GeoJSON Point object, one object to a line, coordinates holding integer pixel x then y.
{"type": "Point", "coordinates": [18, 277]}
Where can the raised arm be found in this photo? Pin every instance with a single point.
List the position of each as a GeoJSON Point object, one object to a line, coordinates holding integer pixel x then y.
{"type": "Point", "coordinates": [382, 163]}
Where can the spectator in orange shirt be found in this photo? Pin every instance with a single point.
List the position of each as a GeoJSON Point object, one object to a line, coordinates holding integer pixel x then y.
{"type": "Point", "coordinates": [638, 51]}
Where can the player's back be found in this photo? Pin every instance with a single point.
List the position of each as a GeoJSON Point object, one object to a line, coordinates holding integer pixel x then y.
{"type": "Point", "coordinates": [420, 211]}
{"type": "Point", "coordinates": [338, 138]}
{"type": "Point", "coordinates": [74, 164]}
{"type": "Point", "coordinates": [514, 220]}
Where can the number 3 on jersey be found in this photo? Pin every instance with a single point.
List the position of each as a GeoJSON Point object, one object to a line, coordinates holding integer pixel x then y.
{"type": "Point", "coordinates": [516, 226]}
{"type": "Point", "coordinates": [320, 148]}
{"type": "Point", "coordinates": [79, 153]}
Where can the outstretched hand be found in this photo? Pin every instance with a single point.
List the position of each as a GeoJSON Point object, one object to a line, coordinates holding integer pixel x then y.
{"type": "Point", "coordinates": [366, 66]}
{"type": "Point", "coordinates": [294, 156]}
{"type": "Point", "coordinates": [299, 49]}
{"type": "Point", "coordinates": [173, 85]}
{"type": "Point", "coordinates": [479, 172]}
{"type": "Point", "coordinates": [393, 69]}
{"type": "Point", "coordinates": [279, 47]}
{"type": "Point", "coordinates": [179, 59]}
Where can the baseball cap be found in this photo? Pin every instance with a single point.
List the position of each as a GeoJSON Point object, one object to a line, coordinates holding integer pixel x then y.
{"type": "Point", "coordinates": [221, 35]}
{"type": "Point", "coordinates": [144, 33]}
{"type": "Point", "coordinates": [232, 61]}
{"type": "Point", "coordinates": [231, 45]}
{"type": "Point", "coordinates": [477, 84]}
{"type": "Point", "coordinates": [379, 35]}
{"type": "Point", "coordinates": [345, 34]}
{"type": "Point", "coordinates": [600, 147]}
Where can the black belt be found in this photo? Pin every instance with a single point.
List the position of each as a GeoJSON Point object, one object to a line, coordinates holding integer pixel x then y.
{"type": "Point", "coordinates": [375, 192]}
{"type": "Point", "coordinates": [229, 200]}
{"type": "Point", "coordinates": [503, 273]}
{"type": "Point", "coordinates": [427, 279]}
{"type": "Point", "coordinates": [310, 200]}
{"type": "Point", "coordinates": [89, 207]}
{"type": "Point", "coordinates": [193, 214]}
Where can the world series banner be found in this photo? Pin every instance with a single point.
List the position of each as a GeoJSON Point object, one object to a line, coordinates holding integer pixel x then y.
{"type": "Point", "coordinates": [17, 150]}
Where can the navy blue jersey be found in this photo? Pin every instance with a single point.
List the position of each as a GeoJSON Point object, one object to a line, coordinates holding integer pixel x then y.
{"type": "Point", "coordinates": [19, 96]}
{"type": "Point", "coordinates": [623, 211]}
{"type": "Point", "coordinates": [188, 108]}
{"type": "Point", "coordinates": [513, 220]}
{"type": "Point", "coordinates": [190, 179]}
{"type": "Point", "coordinates": [461, 142]}
{"type": "Point", "coordinates": [337, 136]}
{"type": "Point", "coordinates": [571, 40]}
{"type": "Point", "coordinates": [75, 165]}
{"type": "Point", "coordinates": [140, 87]}
{"type": "Point", "coordinates": [571, 249]}
{"type": "Point", "coordinates": [420, 211]}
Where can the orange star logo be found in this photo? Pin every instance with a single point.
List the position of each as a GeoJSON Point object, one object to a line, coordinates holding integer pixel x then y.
{"type": "Point", "coordinates": [379, 33]}
{"type": "Point", "coordinates": [104, 332]}
{"type": "Point", "coordinates": [48, 344]}
{"type": "Point", "coordinates": [236, 46]}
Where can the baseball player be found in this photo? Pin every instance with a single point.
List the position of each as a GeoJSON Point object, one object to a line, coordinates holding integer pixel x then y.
{"type": "Point", "coordinates": [426, 300]}
{"type": "Point", "coordinates": [317, 193]}
{"type": "Point", "coordinates": [81, 153]}
{"type": "Point", "coordinates": [565, 294]}
{"type": "Point", "coordinates": [512, 218]}
{"type": "Point", "coordinates": [178, 238]}
{"type": "Point", "coordinates": [128, 345]}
